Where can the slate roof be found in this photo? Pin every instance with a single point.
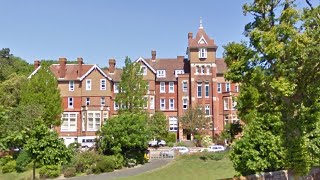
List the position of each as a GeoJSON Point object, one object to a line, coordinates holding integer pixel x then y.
{"type": "Point", "coordinates": [71, 71]}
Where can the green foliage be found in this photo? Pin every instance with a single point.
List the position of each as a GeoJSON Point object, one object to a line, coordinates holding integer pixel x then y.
{"type": "Point", "coordinates": [206, 141]}
{"type": "Point", "coordinates": [278, 70]}
{"type": "Point", "coordinates": [50, 171]}
{"type": "Point", "coordinates": [42, 90]}
{"type": "Point", "coordinates": [215, 156]}
{"type": "Point", "coordinates": [85, 160]}
{"type": "Point", "coordinates": [69, 172]}
{"type": "Point", "coordinates": [9, 167]}
{"type": "Point", "coordinates": [181, 144]}
{"type": "Point", "coordinates": [125, 134]}
{"type": "Point", "coordinates": [4, 160]}
{"type": "Point", "coordinates": [45, 147]}
{"type": "Point", "coordinates": [170, 144]}
{"type": "Point", "coordinates": [194, 121]}
{"type": "Point", "coordinates": [118, 161]}
{"type": "Point", "coordinates": [132, 87]}
{"type": "Point", "coordinates": [171, 137]}
{"type": "Point", "coordinates": [10, 90]}
{"type": "Point", "coordinates": [158, 126]}
{"type": "Point", "coordinates": [106, 164]}
{"type": "Point", "coordinates": [231, 130]}
{"type": "Point", "coordinates": [23, 160]}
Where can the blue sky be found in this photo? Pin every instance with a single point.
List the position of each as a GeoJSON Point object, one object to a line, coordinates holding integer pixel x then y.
{"type": "Point", "coordinates": [99, 29]}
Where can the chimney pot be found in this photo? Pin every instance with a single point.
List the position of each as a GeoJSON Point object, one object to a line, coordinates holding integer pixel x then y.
{"type": "Point", "coordinates": [112, 65]}
{"type": "Point", "coordinates": [153, 55]}
{"type": "Point", "coordinates": [190, 35]}
{"type": "Point", "coordinates": [62, 70]}
{"type": "Point", "coordinates": [36, 64]}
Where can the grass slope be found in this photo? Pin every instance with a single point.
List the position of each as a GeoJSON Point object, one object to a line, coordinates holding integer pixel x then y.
{"type": "Point", "coordinates": [190, 167]}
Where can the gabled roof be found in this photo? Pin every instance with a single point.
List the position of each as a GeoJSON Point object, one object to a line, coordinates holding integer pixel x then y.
{"type": "Point", "coordinates": [34, 72]}
{"type": "Point", "coordinates": [93, 68]}
{"type": "Point", "coordinates": [72, 71]}
{"type": "Point", "coordinates": [201, 35]}
{"type": "Point", "coordinates": [140, 59]}
{"type": "Point", "coordinates": [116, 76]}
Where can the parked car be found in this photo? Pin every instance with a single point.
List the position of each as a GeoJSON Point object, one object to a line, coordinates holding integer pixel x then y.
{"type": "Point", "coordinates": [87, 143]}
{"type": "Point", "coordinates": [154, 143]}
{"type": "Point", "coordinates": [170, 152]}
{"type": "Point", "coordinates": [213, 148]}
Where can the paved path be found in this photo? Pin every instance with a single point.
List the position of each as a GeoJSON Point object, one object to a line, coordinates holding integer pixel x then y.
{"type": "Point", "coordinates": [154, 164]}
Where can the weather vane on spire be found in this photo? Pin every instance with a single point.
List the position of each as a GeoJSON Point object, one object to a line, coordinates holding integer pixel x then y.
{"type": "Point", "coordinates": [200, 27]}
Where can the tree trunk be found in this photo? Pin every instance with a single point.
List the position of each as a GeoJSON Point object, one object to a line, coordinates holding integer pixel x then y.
{"type": "Point", "coordinates": [34, 170]}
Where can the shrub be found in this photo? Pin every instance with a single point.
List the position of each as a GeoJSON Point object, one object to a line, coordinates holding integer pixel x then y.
{"type": "Point", "coordinates": [181, 144]}
{"type": "Point", "coordinates": [216, 156]}
{"type": "Point", "coordinates": [170, 144]}
{"type": "Point", "coordinates": [206, 141]}
{"type": "Point", "coordinates": [89, 171]}
{"type": "Point", "coordinates": [69, 172]}
{"type": "Point", "coordinates": [118, 161]}
{"type": "Point", "coordinates": [22, 161]}
{"type": "Point", "coordinates": [9, 167]}
{"type": "Point", "coordinates": [171, 137]}
{"type": "Point", "coordinates": [49, 171]}
{"type": "Point", "coordinates": [85, 160]}
{"type": "Point", "coordinates": [4, 160]}
{"type": "Point", "coordinates": [106, 164]}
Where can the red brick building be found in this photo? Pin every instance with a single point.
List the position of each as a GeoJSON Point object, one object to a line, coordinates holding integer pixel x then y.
{"type": "Point", "coordinates": [174, 85]}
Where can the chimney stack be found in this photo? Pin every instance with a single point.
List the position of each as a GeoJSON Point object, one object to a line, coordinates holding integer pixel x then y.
{"type": "Point", "coordinates": [62, 69]}
{"type": "Point", "coordinates": [36, 64]}
{"type": "Point", "coordinates": [190, 35]}
{"type": "Point", "coordinates": [80, 62]}
{"type": "Point", "coordinates": [153, 55]}
{"type": "Point", "coordinates": [112, 65]}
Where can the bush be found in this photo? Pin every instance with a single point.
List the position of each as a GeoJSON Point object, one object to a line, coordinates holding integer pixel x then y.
{"type": "Point", "coordinates": [181, 144]}
{"type": "Point", "coordinates": [216, 156]}
{"type": "Point", "coordinates": [69, 172]}
{"type": "Point", "coordinates": [171, 137]}
{"type": "Point", "coordinates": [49, 171]}
{"type": "Point", "coordinates": [106, 164]}
{"type": "Point", "coordinates": [9, 167]}
{"type": "Point", "coordinates": [170, 144]}
{"type": "Point", "coordinates": [118, 161]}
{"type": "Point", "coordinates": [85, 160]}
{"type": "Point", "coordinates": [4, 160]}
{"type": "Point", "coordinates": [23, 160]}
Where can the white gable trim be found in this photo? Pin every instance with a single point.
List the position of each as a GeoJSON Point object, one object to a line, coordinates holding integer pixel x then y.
{"type": "Point", "coordinates": [142, 60]}
{"type": "Point", "coordinates": [34, 72]}
{"type": "Point", "coordinates": [202, 38]}
{"type": "Point", "coordinates": [93, 68]}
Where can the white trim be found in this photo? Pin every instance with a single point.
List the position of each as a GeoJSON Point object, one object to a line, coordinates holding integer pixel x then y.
{"type": "Point", "coordinates": [93, 68]}
{"type": "Point", "coordinates": [141, 59]}
{"type": "Point", "coordinates": [68, 128]}
{"type": "Point", "coordinates": [202, 38]}
{"type": "Point", "coordinates": [34, 72]}
{"type": "Point", "coordinates": [105, 84]}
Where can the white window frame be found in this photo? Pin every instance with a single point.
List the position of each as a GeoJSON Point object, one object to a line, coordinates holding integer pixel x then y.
{"type": "Point", "coordinates": [162, 104]}
{"type": "Point", "coordinates": [237, 88]}
{"type": "Point", "coordinates": [173, 124]}
{"type": "Point", "coordinates": [234, 118]}
{"type": "Point", "coordinates": [66, 116]}
{"type": "Point", "coordinates": [171, 104]}
{"type": "Point", "coordinates": [184, 86]}
{"type": "Point", "coordinates": [103, 84]}
{"type": "Point", "coordinates": [171, 87]}
{"type": "Point", "coordinates": [116, 106]}
{"type": "Point", "coordinates": [70, 102]}
{"type": "Point", "coordinates": [202, 52]}
{"type": "Point", "coordinates": [227, 87]}
{"type": "Point", "coordinates": [94, 120]}
{"type": "Point", "coordinates": [197, 70]}
{"type": "Point", "coordinates": [226, 119]}
{"type": "Point", "coordinates": [87, 101]}
{"type": "Point", "coordinates": [202, 69]}
{"type": "Point", "coordinates": [199, 90]}
{"type": "Point", "coordinates": [226, 104]}
{"type": "Point", "coordinates": [207, 110]}
{"type": "Point", "coordinates": [145, 104]}
{"type": "Point", "coordinates": [219, 87]}
{"type": "Point", "coordinates": [206, 90]}
{"type": "Point", "coordinates": [177, 72]}
{"type": "Point", "coordinates": [102, 101]}
{"type": "Point", "coordinates": [161, 73]}
{"type": "Point", "coordinates": [71, 85]}
{"type": "Point", "coordinates": [208, 69]}
{"type": "Point", "coordinates": [144, 70]}
{"type": "Point", "coordinates": [162, 87]}
{"type": "Point", "coordinates": [234, 104]}
{"type": "Point", "coordinates": [116, 87]}
{"type": "Point", "coordinates": [151, 102]}
{"type": "Point", "coordinates": [88, 84]}
{"type": "Point", "coordinates": [185, 103]}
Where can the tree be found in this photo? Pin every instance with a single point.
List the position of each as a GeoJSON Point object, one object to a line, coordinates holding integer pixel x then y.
{"type": "Point", "coordinates": [195, 122]}
{"type": "Point", "coordinates": [125, 134]}
{"type": "Point", "coordinates": [231, 130]}
{"type": "Point", "coordinates": [42, 90]}
{"type": "Point", "coordinates": [44, 146]}
{"type": "Point", "coordinates": [158, 126]}
{"type": "Point", "coordinates": [132, 87]}
{"type": "Point", "coordinates": [278, 70]}
{"type": "Point", "coordinates": [10, 90]}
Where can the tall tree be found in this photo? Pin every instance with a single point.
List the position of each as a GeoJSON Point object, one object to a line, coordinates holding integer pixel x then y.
{"type": "Point", "coordinates": [10, 90]}
{"type": "Point", "coordinates": [194, 121]}
{"type": "Point", "coordinates": [158, 126]}
{"type": "Point", "coordinates": [42, 90]}
{"type": "Point", "coordinates": [278, 70]}
{"type": "Point", "coordinates": [132, 87]}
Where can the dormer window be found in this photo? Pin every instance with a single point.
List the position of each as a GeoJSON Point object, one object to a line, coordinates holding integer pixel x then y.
{"type": "Point", "coordinates": [161, 73]}
{"type": "Point", "coordinates": [202, 53]}
{"type": "Point", "coordinates": [177, 72]}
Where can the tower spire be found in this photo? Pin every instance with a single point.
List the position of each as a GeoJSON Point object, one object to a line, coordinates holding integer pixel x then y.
{"type": "Point", "coordinates": [200, 27]}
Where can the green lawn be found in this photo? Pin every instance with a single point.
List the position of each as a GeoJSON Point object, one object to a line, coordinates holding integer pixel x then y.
{"type": "Point", "coordinates": [190, 167]}
{"type": "Point", "coordinates": [18, 176]}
